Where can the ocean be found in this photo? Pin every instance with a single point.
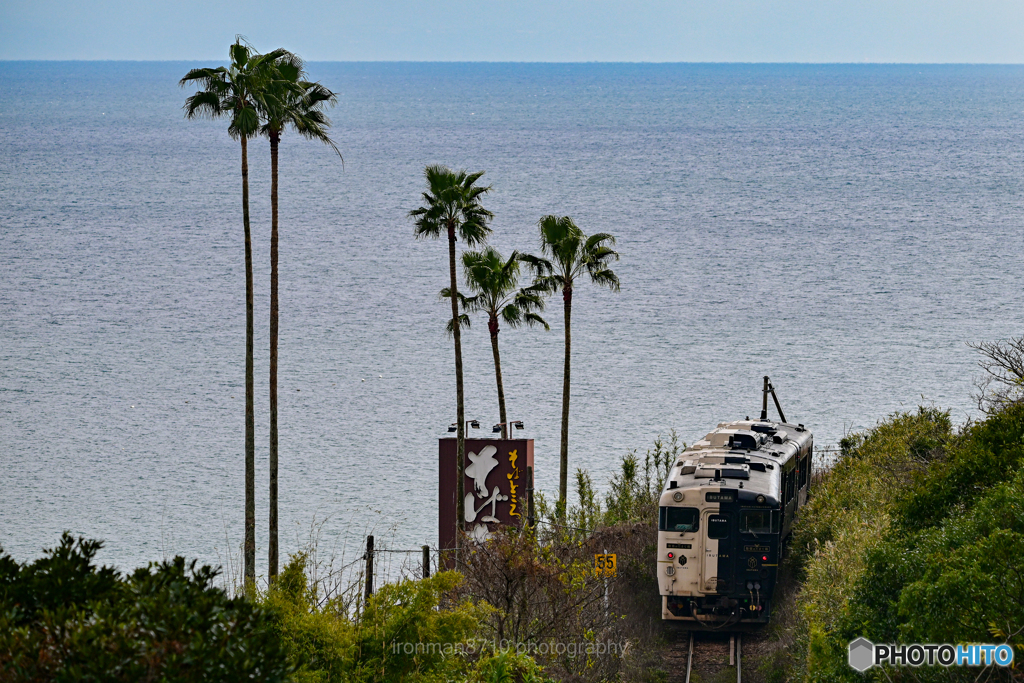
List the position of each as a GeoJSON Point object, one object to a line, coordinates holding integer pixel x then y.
{"type": "Point", "coordinates": [844, 229]}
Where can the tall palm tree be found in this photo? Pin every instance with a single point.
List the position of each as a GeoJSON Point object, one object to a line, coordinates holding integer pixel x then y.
{"type": "Point", "coordinates": [495, 281]}
{"type": "Point", "coordinates": [236, 91]}
{"type": "Point", "coordinates": [451, 208]}
{"type": "Point", "coordinates": [300, 104]}
{"type": "Point", "coordinates": [572, 255]}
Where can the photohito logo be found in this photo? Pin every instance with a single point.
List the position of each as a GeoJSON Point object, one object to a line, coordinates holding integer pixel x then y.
{"type": "Point", "coordinates": [863, 654]}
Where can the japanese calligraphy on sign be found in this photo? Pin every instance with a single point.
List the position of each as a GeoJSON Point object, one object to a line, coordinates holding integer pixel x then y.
{"type": "Point", "coordinates": [495, 486]}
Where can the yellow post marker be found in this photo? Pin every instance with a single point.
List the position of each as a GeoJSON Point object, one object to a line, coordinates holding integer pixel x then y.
{"type": "Point", "coordinates": [605, 564]}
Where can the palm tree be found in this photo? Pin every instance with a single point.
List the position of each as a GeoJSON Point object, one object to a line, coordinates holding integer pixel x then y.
{"type": "Point", "coordinates": [300, 104]}
{"type": "Point", "coordinates": [495, 281]}
{"type": "Point", "coordinates": [236, 91]}
{"type": "Point", "coordinates": [572, 254]}
{"type": "Point", "coordinates": [451, 207]}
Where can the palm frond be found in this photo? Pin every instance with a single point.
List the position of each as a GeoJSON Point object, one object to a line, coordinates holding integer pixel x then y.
{"type": "Point", "coordinates": [602, 255]}
{"type": "Point", "coordinates": [561, 238]}
{"type": "Point", "coordinates": [204, 104]}
{"type": "Point", "coordinates": [233, 90]}
{"type": "Point", "coordinates": [245, 122]}
{"type": "Point", "coordinates": [539, 266]}
{"type": "Point", "coordinates": [512, 316]}
{"type": "Point", "coordinates": [532, 320]}
{"type": "Point", "coordinates": [549, 283]}
{"type": "Point", "coordinates": [597, 238]}
{"type": "Point", "coordinates": [464, 302]}
{"type": "Point", "coordinates": [205, 77]}
{"type": "Point", "coordinates": [463, 322]}
{"type": "Point", "coordinates": [239, 53]}
{"type": "Point", "coordinates": [530, 298]}
{"type": "Point", "coordinates": [573, 254]}
{"type": "Point", "coordinates": [602, 275]}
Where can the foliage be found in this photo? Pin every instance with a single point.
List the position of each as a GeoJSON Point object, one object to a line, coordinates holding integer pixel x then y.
{"type": "Point", "coordinates": [239, 91]}
{"type": "Point", "coordinates": [412, 630]}
{"type": "Point", "coordinates": [64, 619]}
{"type": "Point", "coordinates": [634, 495]}
{"type": "Point", "coordinates": [984, 454]}
{"type": "Point", "coordinates": [452, 203]}
{"type": "Point", "coordinates": [494, 281]}
{"type": "Point", "coordinates": [288, 100]}
{"type": "Point", "coordinates": [544, 587]}
{"type": "Point", "coordinates": [916, 535]}
{"type": "Point", "coordinates": [571, 254]}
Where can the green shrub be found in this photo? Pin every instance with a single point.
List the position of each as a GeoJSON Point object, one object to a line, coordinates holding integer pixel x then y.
{"type": "Point", "coordinates": [984, 454]}
{"type": "Point", "coordinates": [843, 526]}
{"type": "Point", "coordinates": [916, 535]}
{"type": "Point", "coordinates": [325, 643]}
{"type": "Point", "coordinates": [64, 619]}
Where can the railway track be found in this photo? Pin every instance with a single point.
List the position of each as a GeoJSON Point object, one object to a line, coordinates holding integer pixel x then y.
{"type": "Point", "coordinates": [707, 656]}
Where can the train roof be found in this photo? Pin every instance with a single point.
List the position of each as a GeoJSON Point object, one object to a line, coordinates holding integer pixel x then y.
{"type": "Point", "coordinates": [747, 455]}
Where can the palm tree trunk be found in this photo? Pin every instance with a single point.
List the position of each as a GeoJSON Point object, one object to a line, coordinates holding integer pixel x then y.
{"type": "Point", "coordinates": [492, 326]}
{"type": "Point", "coordinates": [272, 559]}
{"type": "Point", "coordinates": [249, 545]}
{"type": "Point", "coordinates": [460, 447]}
{"type": "Point", "coordinates": [563, 460]}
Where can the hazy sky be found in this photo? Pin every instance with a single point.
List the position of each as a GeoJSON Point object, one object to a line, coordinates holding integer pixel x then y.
{"type": "Point", "coordinates": [523, 30]}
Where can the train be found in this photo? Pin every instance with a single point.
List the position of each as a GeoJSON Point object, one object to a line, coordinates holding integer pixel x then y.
{"type": "Point", "coordinates": [724, 516]}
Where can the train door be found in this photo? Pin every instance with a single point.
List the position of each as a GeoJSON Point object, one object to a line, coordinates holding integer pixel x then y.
{"type": "Point", "coordinates": [709, 556]}
{"type": "Point", "coordinates": [717, 539]}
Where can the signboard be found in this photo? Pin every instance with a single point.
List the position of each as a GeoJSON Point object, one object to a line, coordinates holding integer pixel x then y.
{"type": "Point", "coordinates": [604, 564]}
{"type": "Point", "coordinates": [495, 486]}
{"type": "Point", "coordinates": [723, 497]}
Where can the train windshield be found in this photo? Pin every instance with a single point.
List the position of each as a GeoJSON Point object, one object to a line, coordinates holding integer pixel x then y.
{"type": "Point", "coordinates": [756, 521]}
{"type": "Point", "coordinates": [678, 519]}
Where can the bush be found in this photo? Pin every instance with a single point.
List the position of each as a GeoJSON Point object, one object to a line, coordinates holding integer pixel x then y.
{"type": "Point", "coordinates": [544, 587]}
{"type": "Point", "coordinates": [843, 524]}
{"type": "Point", "coordinates": [983, 455]}
{"type": "Point", "coordinates": [412, 630]}
{"type": "Point", "coordinates": [916, 535]}
{"type": "Point", "coordinates": [64, 619]}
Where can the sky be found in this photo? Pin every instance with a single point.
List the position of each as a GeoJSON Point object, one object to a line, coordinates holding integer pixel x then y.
{"type": "Point", "coordinates": [916, 31]}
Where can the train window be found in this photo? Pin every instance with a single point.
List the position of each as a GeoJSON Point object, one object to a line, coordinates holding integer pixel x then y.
{"type": "Point", "coordinates": [756, 521]}
{"type": "Point", "coordinates": [803, 472]}
{"type": "Point", "coordinates": [678, 519]}
{"type": "Point", "coordinates": [718, 526]}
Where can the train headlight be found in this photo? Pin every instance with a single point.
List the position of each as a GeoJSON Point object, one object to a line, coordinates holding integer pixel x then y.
{"type": "Point", "coordinates": [670, 570]}
{"type": "Point", "coordinates": [760, 499]}
{"type": "Point", "coordinates": [677, 496]}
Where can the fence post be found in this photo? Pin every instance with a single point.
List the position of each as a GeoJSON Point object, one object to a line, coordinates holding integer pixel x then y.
{"type": "Point", "coordinates": [426, 562]}
{"type": "Point", "coordinates": [529, 497]}
{"type": "Point", "coordinates": [369, 566]}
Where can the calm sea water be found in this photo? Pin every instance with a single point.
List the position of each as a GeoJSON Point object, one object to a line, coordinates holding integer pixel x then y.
{"type": "Point", "coordinates": [844, 229]}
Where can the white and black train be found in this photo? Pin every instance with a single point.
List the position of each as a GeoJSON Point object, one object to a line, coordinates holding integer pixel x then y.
{"type": "Point", "coordinates": [726, 510]}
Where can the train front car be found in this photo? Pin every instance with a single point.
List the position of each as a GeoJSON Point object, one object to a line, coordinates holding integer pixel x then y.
{"type": "Point", "coordinates": [727, 508]}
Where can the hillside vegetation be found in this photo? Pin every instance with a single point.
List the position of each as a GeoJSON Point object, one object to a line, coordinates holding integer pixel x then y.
{"type": "Point", "coordinates": [915, 535]}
